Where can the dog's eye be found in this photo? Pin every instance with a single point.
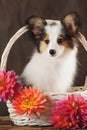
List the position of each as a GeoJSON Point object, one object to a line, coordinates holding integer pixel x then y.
{"type": "Point", "coordinates": [47, 41]}
{"type": "Point", "coordinates": [59, 41]}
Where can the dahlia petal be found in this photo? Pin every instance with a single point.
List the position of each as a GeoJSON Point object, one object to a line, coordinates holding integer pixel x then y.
{"type": "Point", "coordinates": [29, 101]}
{"type": "Point", "coordinates": [8, 81]}
{"type": "Point", "coordinates": [70, 113]}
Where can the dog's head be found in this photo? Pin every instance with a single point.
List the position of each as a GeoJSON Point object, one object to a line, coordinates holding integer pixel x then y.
{"type": "Point", "coordinates": [54, 37]}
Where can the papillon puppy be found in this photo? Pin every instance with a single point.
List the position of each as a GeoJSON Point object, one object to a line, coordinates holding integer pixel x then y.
{"type": "Point", "coordinates": [52, 67]}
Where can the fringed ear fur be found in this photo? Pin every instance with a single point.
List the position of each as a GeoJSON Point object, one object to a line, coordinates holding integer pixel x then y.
{"type": "Point", "coordinates": [71, 23]}
{"type": "Point", "coordinates": [36, 26]}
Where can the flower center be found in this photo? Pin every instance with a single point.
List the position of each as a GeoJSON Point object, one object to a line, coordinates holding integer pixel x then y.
{"type": "Point", "coordinates": [28, 103]}
{"type": "Point", "coordinates": [2, 84]}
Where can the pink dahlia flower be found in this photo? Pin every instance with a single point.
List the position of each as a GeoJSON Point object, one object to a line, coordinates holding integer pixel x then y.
{"type": "Point", "coordinates": [9, 87]}
{"type": "Point", "coordinates": [70, 113]}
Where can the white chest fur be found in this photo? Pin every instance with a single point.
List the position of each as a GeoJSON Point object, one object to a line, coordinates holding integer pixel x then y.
{"type": "Point", "coordinates": [51, 74]}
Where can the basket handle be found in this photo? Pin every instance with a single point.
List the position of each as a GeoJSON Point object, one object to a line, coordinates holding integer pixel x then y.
{"type": "Point", "coordinates": [11, 42]}
{"type": "Point", "coordinates": [21, 31]}
{"type": "Point", "coordinates": [82, 40]}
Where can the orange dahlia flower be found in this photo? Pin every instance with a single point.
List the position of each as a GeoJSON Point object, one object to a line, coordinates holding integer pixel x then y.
{"type": "Point", "coordinates": [29, 101]}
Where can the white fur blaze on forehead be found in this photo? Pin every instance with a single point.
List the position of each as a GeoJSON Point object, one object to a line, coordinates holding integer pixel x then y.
{"type": "Point", "coordinates": [53, 28]}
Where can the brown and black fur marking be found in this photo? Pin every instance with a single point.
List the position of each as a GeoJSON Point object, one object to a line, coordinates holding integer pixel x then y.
{"type": "Point", "coordinates": [36, 29]}
{"type": "Point", "coordinates": [71, 23]}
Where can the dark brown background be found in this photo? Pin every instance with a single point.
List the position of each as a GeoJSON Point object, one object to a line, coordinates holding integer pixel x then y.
{"type": "Point", "coordinates": [13, 13]}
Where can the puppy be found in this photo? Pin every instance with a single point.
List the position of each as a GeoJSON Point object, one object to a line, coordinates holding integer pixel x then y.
{"type": "Point", "coordinates": [52, 67]}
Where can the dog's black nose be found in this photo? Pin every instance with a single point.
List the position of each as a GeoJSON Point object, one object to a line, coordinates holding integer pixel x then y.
{"type": "Point", "coordinates": [52, 52]}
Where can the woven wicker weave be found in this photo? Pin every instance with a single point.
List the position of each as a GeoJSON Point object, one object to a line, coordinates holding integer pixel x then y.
{"type": "Point", "coordinates": [44, 118]}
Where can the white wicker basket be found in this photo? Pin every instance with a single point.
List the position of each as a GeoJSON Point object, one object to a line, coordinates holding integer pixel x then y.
{"type": "Point", "coordinates": [44, 119]}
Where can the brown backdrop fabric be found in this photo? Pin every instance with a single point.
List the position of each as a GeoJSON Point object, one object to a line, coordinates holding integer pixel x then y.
{"type": "Point", "coordinates": [13, 14]}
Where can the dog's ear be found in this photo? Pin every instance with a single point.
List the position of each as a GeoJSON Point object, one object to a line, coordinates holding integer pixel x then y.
{"type": "Point", "coordinates": [36, 26]}
{"type": "Point", "coordinates": [71, 23]}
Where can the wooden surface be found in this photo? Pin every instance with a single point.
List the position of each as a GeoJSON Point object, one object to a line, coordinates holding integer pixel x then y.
{"type": "Point", "coordinates": [6, 124]}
